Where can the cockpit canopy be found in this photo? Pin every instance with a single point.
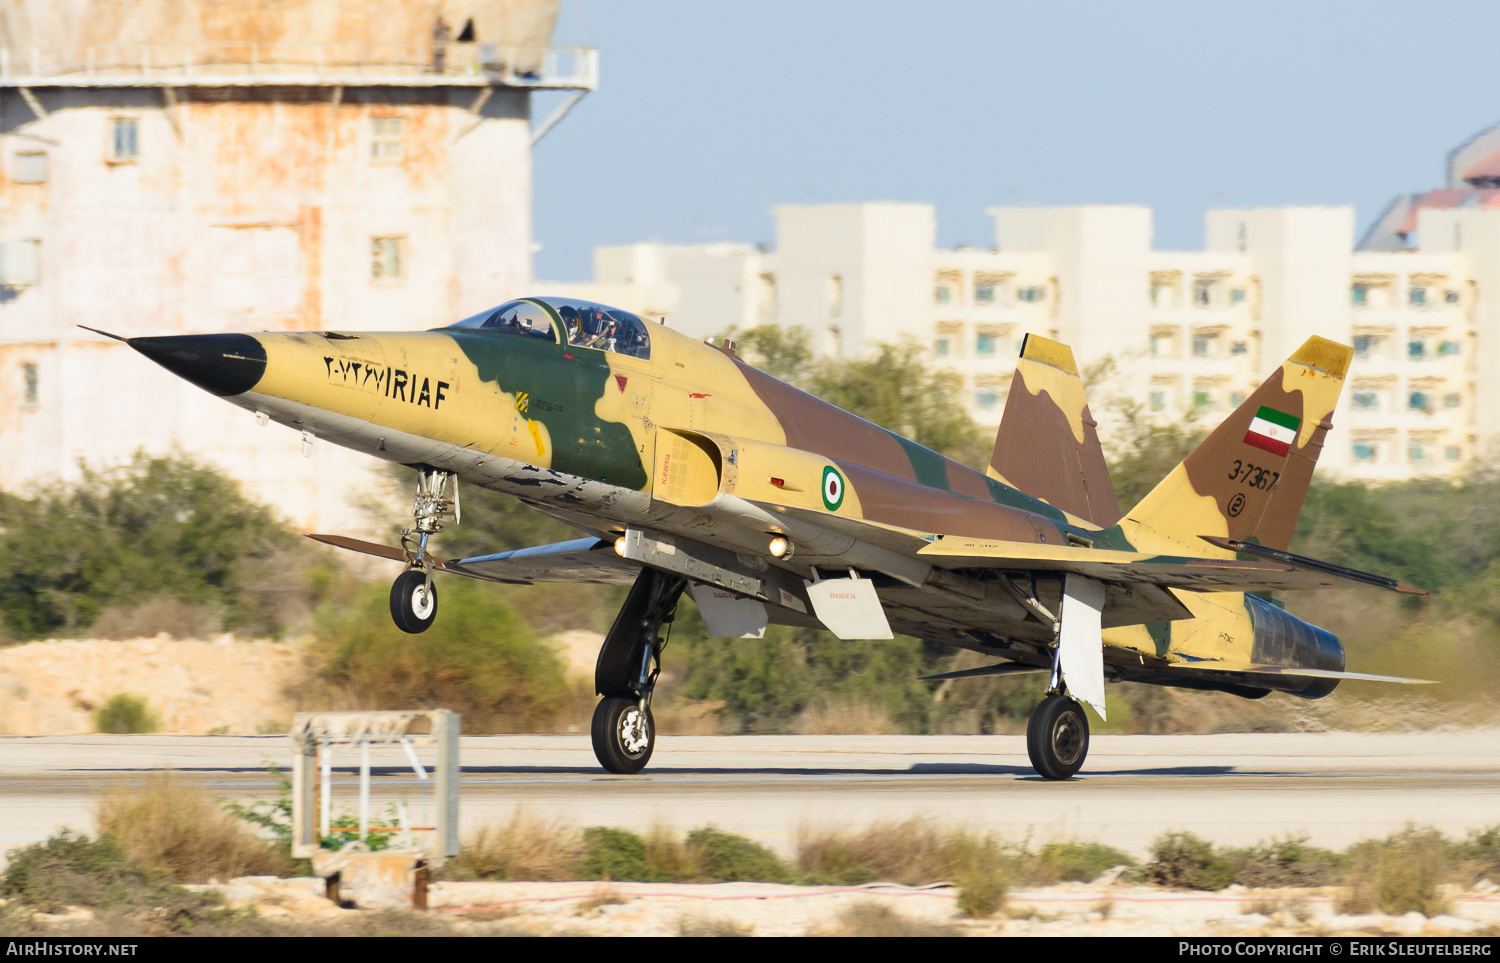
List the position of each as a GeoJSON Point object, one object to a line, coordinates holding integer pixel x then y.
{"type": "Point", "coordinates": [586, 324]}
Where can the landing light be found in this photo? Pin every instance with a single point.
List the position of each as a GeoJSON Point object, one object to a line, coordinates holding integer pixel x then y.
{"type": "Point", "coordinates": [780, 547]}
{"type": "Point", "coordinates": [620, 546]}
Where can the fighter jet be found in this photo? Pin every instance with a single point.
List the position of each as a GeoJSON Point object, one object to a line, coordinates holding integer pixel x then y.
{"type": "Point", "coordinates": [687, 469]}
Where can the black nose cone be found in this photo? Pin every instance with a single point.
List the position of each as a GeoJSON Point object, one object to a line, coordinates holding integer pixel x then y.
{"type": "Point", "coordinates": [225, 364]}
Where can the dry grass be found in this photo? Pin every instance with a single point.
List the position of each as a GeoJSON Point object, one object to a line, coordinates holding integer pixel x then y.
{"type": "Point", "coordinates": [175, 826]}
{"type": "Point", "coordinates": [164, 613]}
{"type": "Point", "coordinates": [685, 717]}
{"type": "Point", "coordinates": [601, 897]}
{"type": "Point", "coordinates": [845, 719]}
{"type": "Point", "coordinates": [874, 920]}
{"type": "Point", "coordinates": [704, 926]}
{"type": "Point", "coordinates": [529, 846]}
{"type": "Point", "coordinates": [914, 852]}
{"type": "Point", "coordinates": [666, 851]}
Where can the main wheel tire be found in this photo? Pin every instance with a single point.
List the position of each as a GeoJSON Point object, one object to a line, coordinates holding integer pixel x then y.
{"type": "Point", "coordinates": [413, 603]}
{"type": "Point", "coordinates": [1057, 737]}
{"type": "Point", "coordinates": [624, 734]}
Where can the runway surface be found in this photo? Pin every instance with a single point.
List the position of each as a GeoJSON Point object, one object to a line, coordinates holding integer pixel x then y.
{"type": "Point", "coordinates": [1334, 788]}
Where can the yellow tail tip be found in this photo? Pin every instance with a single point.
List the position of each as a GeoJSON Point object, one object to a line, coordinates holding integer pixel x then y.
{"type": "Point", "coordinates": [1324, 355]}
{"type": "Point", "coordinates": [1048, 352]}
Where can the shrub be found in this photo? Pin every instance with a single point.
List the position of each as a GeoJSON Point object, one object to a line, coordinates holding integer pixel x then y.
{"type": "Point", "coordinates": [726, 857]}
{"type": "Point", "coordinates": [1398, 874]}
{"type": "Point", "coordinates": [73, 870]}
{"type": "Point", "coordinates": [914, 852]}
{"type": "Point", "coordinates": [1478, 856]}
{"type": "Point", "coordinates": [1286, 862]}
{"type": "Point", "coordinates": [1071, 861]}
{"type": "Point", "coordinates": [477, 659]}
{"type": "Point", "coordinates": [177, 828]}
{"type": "Point", "coordinates": [1183, 860]}
{"type": "Point", "coordinates": [125, 714]}
{"type": "Point", "coordinates": [616, 854]}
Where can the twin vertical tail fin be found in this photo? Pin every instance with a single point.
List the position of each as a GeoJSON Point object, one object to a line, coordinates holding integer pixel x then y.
{"type": "Point", "coordinates": [1048, 445]}
{"type": "Point", "coordinates": [1248, 479]}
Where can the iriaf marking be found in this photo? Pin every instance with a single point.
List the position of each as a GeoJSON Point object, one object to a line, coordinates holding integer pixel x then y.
{"type": "Point", "coordinates": [387, 381]}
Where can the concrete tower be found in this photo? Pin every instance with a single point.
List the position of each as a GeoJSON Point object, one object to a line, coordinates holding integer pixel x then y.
{"type": "Point", "coordinates": [172, 166]}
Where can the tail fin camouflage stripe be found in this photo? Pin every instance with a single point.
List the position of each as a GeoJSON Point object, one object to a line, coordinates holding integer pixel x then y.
{"type": "Point", "coordinates": [1248, 479]}
{"type": "Point", "coordinates": [1048, 443]}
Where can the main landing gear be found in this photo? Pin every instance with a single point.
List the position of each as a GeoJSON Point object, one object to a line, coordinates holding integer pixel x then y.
{"type": "Point", "coordinates": [623, 732]}
{"type": "Point", "coordinates": [413, 596]}
{"type": "Point", "coordinates": [1057, 734]}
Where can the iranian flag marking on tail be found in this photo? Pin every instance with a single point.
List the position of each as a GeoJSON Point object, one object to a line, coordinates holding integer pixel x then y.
{"type": "Point", "coordinates": [1273, 431]}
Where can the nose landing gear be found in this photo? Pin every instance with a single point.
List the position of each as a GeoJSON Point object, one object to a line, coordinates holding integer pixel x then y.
{"type": "Point", "coordinates": [413, 596]}
{"type": "Point", "coordinates": [623, 732]}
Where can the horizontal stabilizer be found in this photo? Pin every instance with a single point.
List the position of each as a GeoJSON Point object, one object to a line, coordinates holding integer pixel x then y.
{"type": "Point", "coordinates": [1312, 565]}
{"type": "Point", "coordinates": [372, 548]}
{"type": "Point", "coordinates": [999, 668]}
{"type": "Point", "coordinates": [1245, 668]}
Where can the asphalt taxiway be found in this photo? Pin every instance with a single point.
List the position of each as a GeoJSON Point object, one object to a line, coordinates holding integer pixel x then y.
{"type": "Point", "coordinates": [1333, 788]}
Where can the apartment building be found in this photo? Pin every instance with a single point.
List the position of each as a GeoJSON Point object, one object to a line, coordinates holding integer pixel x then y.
{"type": "Point", "coordinates": [1189, 333]}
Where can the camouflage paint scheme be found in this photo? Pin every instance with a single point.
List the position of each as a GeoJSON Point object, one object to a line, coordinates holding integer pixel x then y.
{"type": "Point", "coordinates": [696, 444]}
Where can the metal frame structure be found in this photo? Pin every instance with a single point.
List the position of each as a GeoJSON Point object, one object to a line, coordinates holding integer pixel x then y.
{"type": "Point", "coordinates": [315, 734]}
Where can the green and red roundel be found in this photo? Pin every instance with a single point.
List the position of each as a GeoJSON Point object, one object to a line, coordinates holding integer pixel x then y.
{"type": "Point", "coordinates": [1273, 431]}
{"type": "Point", "coordinates": [833, 488]}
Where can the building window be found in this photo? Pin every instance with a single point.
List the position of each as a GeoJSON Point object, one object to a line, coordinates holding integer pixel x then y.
{"type": "Point", "coordinates": [1203, 292]}
{"type": "Point", "coordinates": [1416, 296]}
{"type": "Point", "coordinates": [1418, 401]}
{"type": "Point", "coordinates": [1163, 343]}
{"type": "Point", "coordinates": [984, 343]}
{"type": "Point", "coordinates": [1203, 345]}
{"type": "Point", "coordinates": [1450, 297]}
{"type": "Point", "coordinates": [768, 308]}
{"type": "Point", "coordinates": [1366, 451]}
{"type": "Point", "coordinates": [1449, 348]}
{"type": "Point", "coordinates": [1236, 398]}
{"type": "Point", "coordinates": [1453, 453]}
{"type": "Point", "coordinates": [387, 140]}
{"type": "Point", "coordinates": [1365, 345]}
{"type": "Point", "coordinates": [1367, 400]}
{"type": "Point", "coordinates": [1359, 295]}
{"type": "Point", "coordinates": [984, 292]}
{"type": "Point", "coordinates": [31, 168]}
{"type": "Point", "coordinates": [944, 347]}
{"type": "Point", "coordinates": [986, 397]}
{"type": "Point", "coordinates": [124, 140]}
{"type": "Point", "coordinates": [1239, 347]}
{"type": "Point", "coordinates": [1236, 295]}
{"type": "Point", "coordinates": [29, 383]}
{"type": "Point", "coordinates": [1158, 401]}
{"type": "Point", "coordinates": [1031, 295]}
{"type": "Point", "coordinates": [942, 294]}
{"type": "Point", "coordinates": [1202, 399]}
{"type": "Point", "coordinates": [1416, 451]}
{"type": "Point", "coordinates": [20, 263]}
{"type": "Point", "coordinates": [835, 295]}
{"type": "Point", "coordinates": [1416, 349]}
{"type": "Point", "coordinates": [1452, 400]}
{"type": "Point", "coordinates": [386, 256]}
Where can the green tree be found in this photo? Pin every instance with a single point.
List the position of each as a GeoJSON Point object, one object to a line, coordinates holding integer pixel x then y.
{"type": "Point", "coordinates": [157, 526]}
{"type": "Point", "coordinates": [478, 659]}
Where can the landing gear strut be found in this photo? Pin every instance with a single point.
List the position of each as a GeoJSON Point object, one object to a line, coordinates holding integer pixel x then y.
{"type": "Point", "coordinates": [413, 596]}
{"type": "Point", "coordinates": [623, 732]}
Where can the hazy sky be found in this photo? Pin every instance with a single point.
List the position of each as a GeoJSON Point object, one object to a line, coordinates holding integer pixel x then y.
{"type": "Point", "coordinates": [709, 113]}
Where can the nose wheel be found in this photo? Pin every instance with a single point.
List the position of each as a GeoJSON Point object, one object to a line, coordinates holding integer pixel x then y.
{"type": "Point", "coordinates": [413, 601]}
{"type": "Point", "coordinates": [1057, 737]}
{"type": "Point", "coordinates": [624, 733]}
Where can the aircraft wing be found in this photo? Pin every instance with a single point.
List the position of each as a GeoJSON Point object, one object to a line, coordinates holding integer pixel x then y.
{"type": "Point", "coordinates": [580, 560]}
{"type": "Point", "coordinates": [1269, 571]}
{"type": "Point", "coordinates": [1242, 669]}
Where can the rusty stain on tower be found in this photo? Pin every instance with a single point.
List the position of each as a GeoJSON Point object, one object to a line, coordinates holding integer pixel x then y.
{"type": "Point", "coordinates": [217, 165]}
